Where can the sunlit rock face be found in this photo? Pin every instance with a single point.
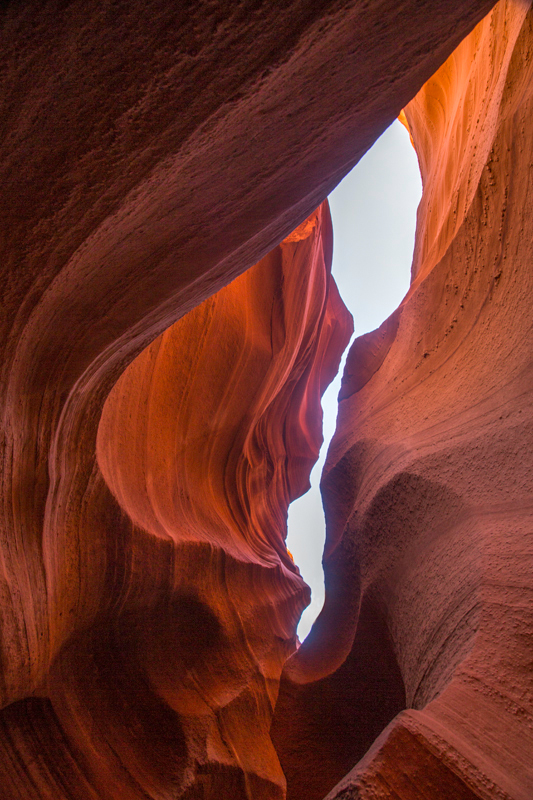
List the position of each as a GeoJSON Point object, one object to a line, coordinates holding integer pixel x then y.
{"type": "Point", "coordinates": [151, 153]}
{"type": "Point", "coordinates": [203, 442]}
{"type": "Point", "coordinates": [428, 484]}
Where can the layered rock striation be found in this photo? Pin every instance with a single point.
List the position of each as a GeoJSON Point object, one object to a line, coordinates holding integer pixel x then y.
{"type": "Point", "coordinates": [202, 444]}
{"type": "Point", "coordinates": [428, 483]}
{"type": "Point", "coordinates": [150, 155]}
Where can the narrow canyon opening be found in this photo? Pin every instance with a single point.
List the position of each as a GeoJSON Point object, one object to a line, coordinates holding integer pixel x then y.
{"type": "Point", "coordinates": [169, 325]}
{"type": "Point", "coordinates": [373, 212]}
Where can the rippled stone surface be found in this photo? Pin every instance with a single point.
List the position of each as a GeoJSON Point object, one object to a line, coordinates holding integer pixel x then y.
{"type": "Point", "coordinates": [428, 484]}
{"type": "Point", "coordinates": [151, 154]}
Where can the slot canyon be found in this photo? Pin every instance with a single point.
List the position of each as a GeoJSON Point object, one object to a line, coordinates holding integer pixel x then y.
{"type": "Point", "coordinates": [169, 324]}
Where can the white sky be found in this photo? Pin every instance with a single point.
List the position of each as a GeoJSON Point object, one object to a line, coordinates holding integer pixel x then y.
{"type": "Point", "coordinates": [374, 218]}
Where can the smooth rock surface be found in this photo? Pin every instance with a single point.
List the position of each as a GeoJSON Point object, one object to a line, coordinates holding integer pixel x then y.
{"type": "Point", "coordinates": [150, 154]}
{"type": "Point", "coordinates": [202, 444]}
{"type": "Point", "coordinates": [428, 482]}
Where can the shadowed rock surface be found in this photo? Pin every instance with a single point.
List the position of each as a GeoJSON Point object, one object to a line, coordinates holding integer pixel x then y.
{"type": "Point", "coordinates": [151, 154]}
{"type": "Point", "coordinates": [428, 482]}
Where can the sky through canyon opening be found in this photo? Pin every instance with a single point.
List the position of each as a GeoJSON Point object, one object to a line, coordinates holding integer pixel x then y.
{"type": "Point", "coordinates": [374, 220]}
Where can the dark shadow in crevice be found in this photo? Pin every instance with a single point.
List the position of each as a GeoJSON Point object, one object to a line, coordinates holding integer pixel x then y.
{"type": "Point", "coordinates": [321, 729]}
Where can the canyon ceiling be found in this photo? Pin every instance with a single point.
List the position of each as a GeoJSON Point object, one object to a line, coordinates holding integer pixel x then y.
{"type": "Point", "coordinates": [169, 323]}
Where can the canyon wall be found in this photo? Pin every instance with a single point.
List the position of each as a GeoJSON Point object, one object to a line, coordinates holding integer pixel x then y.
{"type": "Point", "coordinates": [151, 154]}
{"type": "Point", "coordinates": [203, 442]}
{"type": "Point", "coordinates": [428, 483]}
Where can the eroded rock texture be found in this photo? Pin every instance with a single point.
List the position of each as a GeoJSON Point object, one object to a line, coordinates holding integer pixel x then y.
{"type": "Point", "coordinates": [150, 154]}
{"type": "Point", "coordinates": [428, 485]}
{"type": "Point", "coordinates": [202, 444]}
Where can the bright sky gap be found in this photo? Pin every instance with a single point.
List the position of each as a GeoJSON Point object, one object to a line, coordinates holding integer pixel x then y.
{"type": "Point", "coordinates": [374, 219]}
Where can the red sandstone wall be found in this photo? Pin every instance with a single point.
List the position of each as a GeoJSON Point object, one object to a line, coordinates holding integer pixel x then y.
{"type": "Point", "coordinates": [204, 441]}
{"type": "Point", "coordinates": [428, 483]}
{"type": "Point", "coordinates": [150, 153]}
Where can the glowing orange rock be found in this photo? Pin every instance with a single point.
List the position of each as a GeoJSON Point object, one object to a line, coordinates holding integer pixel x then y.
{"type": "Point", "coordinates": [428, 482]}
{"type": "Point", "coordinates": [151, 153]}
{"type": "Point", "coordinates": [204, 441]}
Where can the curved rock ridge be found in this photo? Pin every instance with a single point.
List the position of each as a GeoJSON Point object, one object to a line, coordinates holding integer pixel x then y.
{"type": "Point", "coordinates": [428, 482]}
{"type": "Point", "coordinates": [214, 428]}
{"type": "Point", "coordinates": [150, 154]}
{"type": "Point", "coordinates": [126, 130]}
{"type": "Point", "coordinates": [204, 441]}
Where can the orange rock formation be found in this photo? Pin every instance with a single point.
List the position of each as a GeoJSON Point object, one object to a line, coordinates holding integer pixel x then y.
{"type": "Point", "coordinates": [203, 442]}
{"type": "Point", "coordinates": [428, 484]}
{"type": "Point", "coordinates": [152, 153]}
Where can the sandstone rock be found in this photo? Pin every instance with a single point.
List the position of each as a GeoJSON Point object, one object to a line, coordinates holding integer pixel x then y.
{"type": "Point", "coordinates": [151, 153]}
{"type": "Point", "coordinates": [428, 482]}
{"type": "Point", "coordinates": [203, 442]}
